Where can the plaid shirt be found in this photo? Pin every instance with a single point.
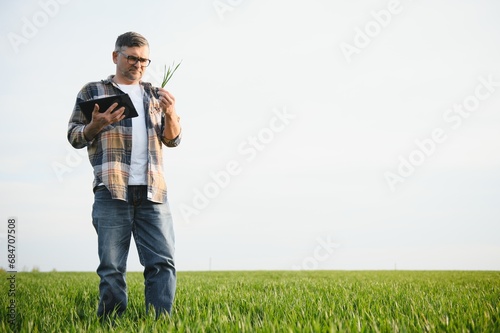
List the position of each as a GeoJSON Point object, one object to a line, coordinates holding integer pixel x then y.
{"type": "Point", "coordinates": [110, 151]}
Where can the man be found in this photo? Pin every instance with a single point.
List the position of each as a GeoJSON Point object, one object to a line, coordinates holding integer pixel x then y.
{"type": "Point", "coordinates": [130, 194]}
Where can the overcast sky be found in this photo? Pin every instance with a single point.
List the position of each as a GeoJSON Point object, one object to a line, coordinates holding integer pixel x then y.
{"type": "Point", "coordinates": [316, 134]}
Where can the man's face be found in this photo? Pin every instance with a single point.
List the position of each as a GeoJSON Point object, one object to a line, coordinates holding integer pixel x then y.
{"type": "Point", "coordinates": [128, 69]}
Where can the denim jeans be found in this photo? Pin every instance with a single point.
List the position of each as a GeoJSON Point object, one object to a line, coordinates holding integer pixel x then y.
{"type": "Point", "coordinates": [152, 227]}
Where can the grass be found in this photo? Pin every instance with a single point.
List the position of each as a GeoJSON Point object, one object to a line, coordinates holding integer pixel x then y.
{"type": "Point", "coordinates": [262, 301]}
{"type": "Point", "coordinates": [167, 75]}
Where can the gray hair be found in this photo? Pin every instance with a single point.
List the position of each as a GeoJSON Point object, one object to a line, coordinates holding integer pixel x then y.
{"type": "Point", "coordinates": [130, 39]}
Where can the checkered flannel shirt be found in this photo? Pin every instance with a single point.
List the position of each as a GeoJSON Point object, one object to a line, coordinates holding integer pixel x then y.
{"type": "Point", "coordinates": [110, 151]}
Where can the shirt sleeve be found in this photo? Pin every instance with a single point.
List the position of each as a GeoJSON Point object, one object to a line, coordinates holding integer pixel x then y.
{"type": "Point", "coordinates": [174, 142]}
{"type": "Point", "coordinates": [76, 125]}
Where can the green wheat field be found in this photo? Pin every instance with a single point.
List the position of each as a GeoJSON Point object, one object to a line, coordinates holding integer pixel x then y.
{"type": "Point", "coordinates": [266, 301]}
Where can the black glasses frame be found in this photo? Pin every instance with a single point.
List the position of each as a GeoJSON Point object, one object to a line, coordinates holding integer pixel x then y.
{"type": "Point", "coordinates": [132, 60]}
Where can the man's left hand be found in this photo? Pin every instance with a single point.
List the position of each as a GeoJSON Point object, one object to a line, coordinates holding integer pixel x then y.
{"type": "Point", "coordinates": [167, 102]}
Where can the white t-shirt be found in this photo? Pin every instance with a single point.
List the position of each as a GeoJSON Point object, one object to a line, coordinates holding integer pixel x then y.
{"type": "Point", "coordinates": [139, 159]}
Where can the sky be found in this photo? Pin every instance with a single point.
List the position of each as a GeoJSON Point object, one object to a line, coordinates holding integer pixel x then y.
{"type": "Point", "coordinates": [342, 135]}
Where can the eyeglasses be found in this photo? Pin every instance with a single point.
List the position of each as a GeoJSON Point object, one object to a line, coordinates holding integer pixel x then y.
{"type": "Point", "coordinates": [132, 60]}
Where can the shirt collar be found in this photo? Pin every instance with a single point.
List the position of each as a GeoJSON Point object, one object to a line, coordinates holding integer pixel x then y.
{"type": "Point", "coordinates": [109, 80]}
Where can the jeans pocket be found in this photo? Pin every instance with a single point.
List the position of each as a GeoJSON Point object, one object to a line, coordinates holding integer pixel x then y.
{"type": "Point", "coordinates": [99, 188]}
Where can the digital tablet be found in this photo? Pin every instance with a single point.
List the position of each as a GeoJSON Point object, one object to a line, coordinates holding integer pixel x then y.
{"type": "Point", "coordinates": [104, 103]}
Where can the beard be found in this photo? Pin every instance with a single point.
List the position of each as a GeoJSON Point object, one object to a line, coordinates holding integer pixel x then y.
{"type": "Point", "coordinates": [132, 74]}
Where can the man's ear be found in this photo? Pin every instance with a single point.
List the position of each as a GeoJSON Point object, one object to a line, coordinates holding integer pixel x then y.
{"type": "Point", "coordinates": [115, 57]}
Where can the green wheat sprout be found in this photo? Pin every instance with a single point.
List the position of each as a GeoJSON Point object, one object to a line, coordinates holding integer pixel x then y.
{"type": "Point", "coordinates": [168, 73]}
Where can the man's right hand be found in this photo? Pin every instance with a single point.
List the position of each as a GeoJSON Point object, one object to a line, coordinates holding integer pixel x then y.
{"type": "Point", "coordinates": [102, 119]}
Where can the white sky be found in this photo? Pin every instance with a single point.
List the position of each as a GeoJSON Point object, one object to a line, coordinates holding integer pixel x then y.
{"type": "Point", "coordinates": [315, 194]}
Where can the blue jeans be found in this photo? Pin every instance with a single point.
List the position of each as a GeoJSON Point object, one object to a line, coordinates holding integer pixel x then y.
{"type": "Point", "coordinates": [152, 227]}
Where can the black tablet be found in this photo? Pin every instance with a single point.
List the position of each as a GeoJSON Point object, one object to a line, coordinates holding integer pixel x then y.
{"type": "Point", "coordinates": [104, 103]}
